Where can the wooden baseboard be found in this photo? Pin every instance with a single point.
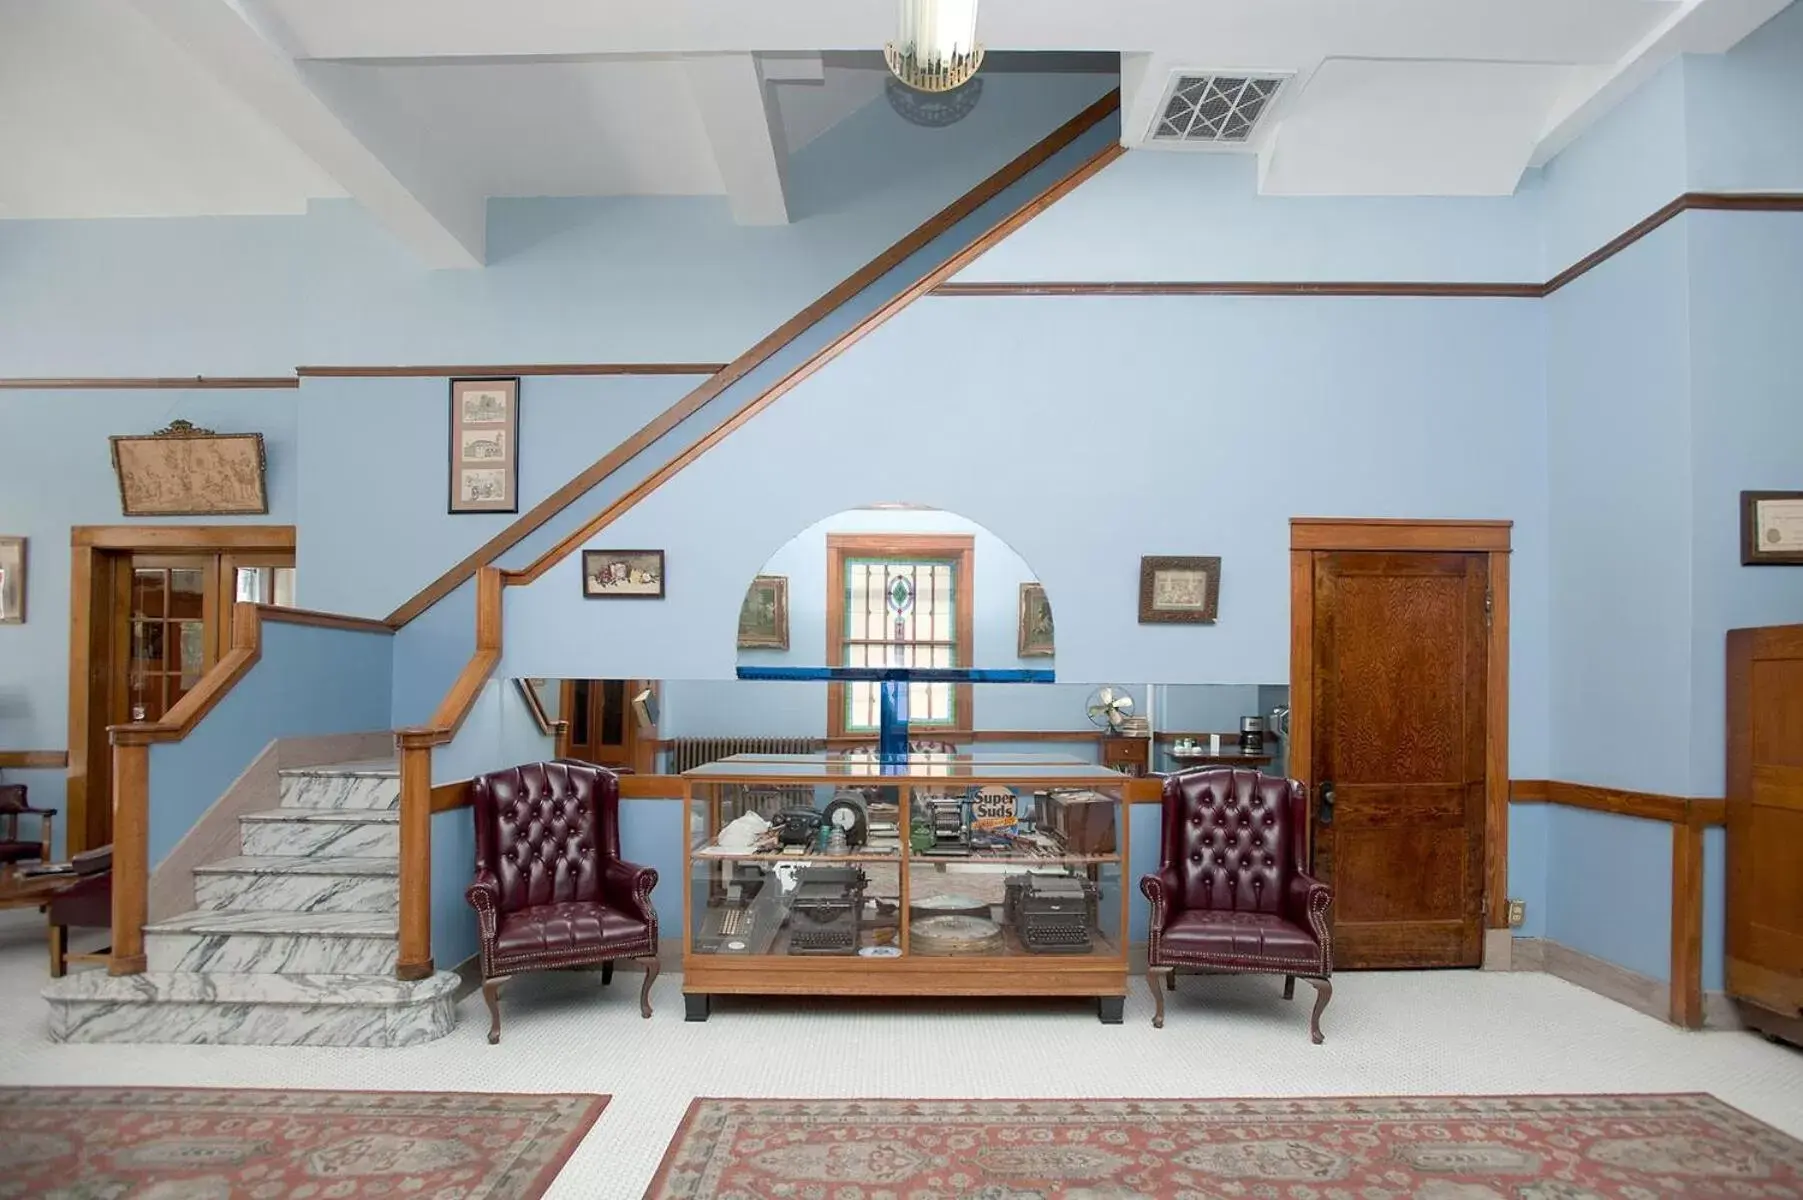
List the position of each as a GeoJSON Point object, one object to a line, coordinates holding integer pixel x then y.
{"type": "Point", "coordinates": [1639, 992]}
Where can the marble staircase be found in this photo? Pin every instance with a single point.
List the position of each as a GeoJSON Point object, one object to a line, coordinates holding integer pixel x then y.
{"type": "Point", "coordinates": [292, 942]}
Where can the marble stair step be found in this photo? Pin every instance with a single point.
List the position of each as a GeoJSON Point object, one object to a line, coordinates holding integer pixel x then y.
{"type": "Point", "coordinates": [365, 785]}
{"type": "Point", "coordinates": [286, 943]}
{"type": "Point", "coordinates": [299, 883]}
{"type": "Point", "coordinates": [255, 1010]}
{"type": "Point", "coordinates": [321, 833]}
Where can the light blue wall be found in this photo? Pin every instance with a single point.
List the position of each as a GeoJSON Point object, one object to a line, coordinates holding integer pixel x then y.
{"type": "Point", "coordinates": [309, 681]}
{"type": "Point", "coordinates": [1742, 131]}
{"type": "Point", "coordinates": [1609, 888]}
{"type": "Point", "coordinates": [1391, 407]}
{"type": "Point", "coordinates": [384, 443]}
{"type": "Point", "coordinates": [1528, 864]}
{"type": "Point", "coordinates": [662, 279]}
{"type": "Point", "coordinates": [58, 473]}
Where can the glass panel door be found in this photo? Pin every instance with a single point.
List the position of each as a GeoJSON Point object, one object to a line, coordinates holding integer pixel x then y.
{"type": "Point", "coordinates": [172, 606]}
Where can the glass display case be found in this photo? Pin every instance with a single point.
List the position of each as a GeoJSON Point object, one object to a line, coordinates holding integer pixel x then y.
{"type": "Point", "coordinates": [926, 875]}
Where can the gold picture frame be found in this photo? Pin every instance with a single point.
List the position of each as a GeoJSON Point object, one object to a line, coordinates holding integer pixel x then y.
{"type": "Point", "coordinates": [1178, 589]}
{"type": "Point", "coordinates": [1036, 630]}
{"type": "Point", "coordinates": [764, 614]}
{"type": "Point", "coordinates": [12, 581]}
{"type": "Point", "coordinates": [185, 471]}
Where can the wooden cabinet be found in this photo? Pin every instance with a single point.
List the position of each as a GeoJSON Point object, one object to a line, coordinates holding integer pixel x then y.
{"type": "Point", "coordinates": [1765, 828]}
{"type": "Point", "coordinates": [1128, 755]}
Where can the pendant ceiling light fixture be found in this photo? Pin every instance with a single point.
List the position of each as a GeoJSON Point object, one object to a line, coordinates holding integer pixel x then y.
{"type": "Point", "coordinates": [936, 48]}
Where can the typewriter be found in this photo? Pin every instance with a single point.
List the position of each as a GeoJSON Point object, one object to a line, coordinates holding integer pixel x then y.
{"type": "Point", "coordinates": [825, 910]}
{"type": "Point", "coordinates": [1051, 914]}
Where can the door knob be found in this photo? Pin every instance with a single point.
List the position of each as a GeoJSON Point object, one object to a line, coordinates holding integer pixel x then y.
{"type": "Point", "coordinates": [1324, 815]}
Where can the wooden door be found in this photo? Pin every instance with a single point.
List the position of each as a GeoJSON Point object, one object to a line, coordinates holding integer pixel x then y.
{"type": "Point", "coordinates": [1765, 825]}
{"type": "Point", "coordinates": [1398, 754]}
{"type": "Point", "coordinates": [172, 614]}
{"type": "Point", "coordinates": [603, 729]}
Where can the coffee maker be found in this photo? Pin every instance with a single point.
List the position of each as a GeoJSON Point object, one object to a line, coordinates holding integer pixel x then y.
{"type": "Point", "coordinates": [1252, 735]}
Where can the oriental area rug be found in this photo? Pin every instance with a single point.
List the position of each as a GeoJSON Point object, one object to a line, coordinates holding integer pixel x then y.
{"type": "Point", "coordinates": [1362, 1148]}
{"type": "Point", "coordinates": [219, 1144]}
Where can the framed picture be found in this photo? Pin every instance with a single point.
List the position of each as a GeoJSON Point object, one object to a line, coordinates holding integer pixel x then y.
{"type": "Point", "coordinates": [485, 445]}
{"type": "Point", "coordinates": [1771, 529]}
{"type": "Point", "coordinates": [1177, 589]}
{"type": "Point", "coordinates": [185, 471]}
{"type": "Point", "coordinates": [623, 574]}
{"type": "Point", "coordinates": [764, 616]}
{"type": "Point", "coordinates": [12, 581]}
{"type": "Point", "coordinates": [1035, 622]}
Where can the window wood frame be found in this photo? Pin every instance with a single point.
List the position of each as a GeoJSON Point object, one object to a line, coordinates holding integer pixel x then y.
{"type": "Point", "coordinates": [958, 548]}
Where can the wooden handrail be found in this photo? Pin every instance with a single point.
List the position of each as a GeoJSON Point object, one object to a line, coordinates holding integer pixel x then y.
{"type": "Point", "coordinates": [131, 765]}
{"type": "Point", "coordinates": [415, 744]}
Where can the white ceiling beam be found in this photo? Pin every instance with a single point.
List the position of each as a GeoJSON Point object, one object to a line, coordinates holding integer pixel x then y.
{"type": "Point", "coordinates": [1693, 27]}
{"type": "Point", "coordinates": [445, 229]}
{"type": "Point", "coordinates": [738, 107]}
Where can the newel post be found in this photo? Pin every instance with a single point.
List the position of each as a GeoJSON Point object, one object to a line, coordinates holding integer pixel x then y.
{"type": "Point", "coordinates": [131, 848]}
{"type": "Point", "coordinates": [415, 961]}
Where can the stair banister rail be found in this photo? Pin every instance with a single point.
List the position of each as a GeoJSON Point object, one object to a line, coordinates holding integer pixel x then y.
{"type": "Point", "coordinates": [131, 765]}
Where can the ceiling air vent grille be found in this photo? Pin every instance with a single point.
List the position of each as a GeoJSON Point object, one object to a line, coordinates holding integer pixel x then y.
{"type": "Point", "coordinates": [1214, 108]}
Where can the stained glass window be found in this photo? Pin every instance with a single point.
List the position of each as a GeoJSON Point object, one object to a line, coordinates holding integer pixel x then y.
{"type": "Point", "coordinates": [900, 613]}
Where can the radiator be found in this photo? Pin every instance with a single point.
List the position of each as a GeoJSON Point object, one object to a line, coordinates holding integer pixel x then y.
{"type": "Point", "coordinates": [688, 752]}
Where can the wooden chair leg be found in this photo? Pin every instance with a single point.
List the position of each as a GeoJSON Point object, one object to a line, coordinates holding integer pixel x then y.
{"type": "Point", "coordinates": [1323, 993]}
{"type": "Point", "coordinates": [59, 950]}
{"type": "Point", "coordinates": [491, 992]}
{"type": "Point", "coordinates": [1158, 992]}
{"type": "Point", "coordinates": [607, 972]}
{"type": "Point", "coordinates": [1289, 987]}
{"type": "Point", "coordinates": [649, 962]}
{"type": "Point", "coordinates": [1170, 979]}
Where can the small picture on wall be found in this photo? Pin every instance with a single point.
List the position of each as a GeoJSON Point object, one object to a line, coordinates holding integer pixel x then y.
{"type": "Point", "coordinates": [1177, 589]}
{"type": "Point", "coordinates": [485, 428]}
{"type": "Point", "coordinates": [1771, 529]}
{"type": "Point", "coordinates": [12, 581]}
{"type": "Point", "coordinates": [623, 574]}
{"type": "Point", "coordinates": [1035, 622]}
{"type": "Point", "coordinates": [764, 616]}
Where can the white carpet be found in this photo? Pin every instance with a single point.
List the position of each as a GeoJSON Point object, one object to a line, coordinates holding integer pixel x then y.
{"type": "Point", "coordinates": [1387, 1033]}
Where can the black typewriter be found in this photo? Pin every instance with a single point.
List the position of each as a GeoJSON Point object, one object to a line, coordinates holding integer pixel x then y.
{"type": "Point", "coordinates": [1051, 914]}
{"type": "Point", "coordinates": [825, 910]}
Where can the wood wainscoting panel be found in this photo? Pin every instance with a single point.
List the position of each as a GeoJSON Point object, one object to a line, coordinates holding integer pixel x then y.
{"type": "Point", "coordinates": [33, 760]}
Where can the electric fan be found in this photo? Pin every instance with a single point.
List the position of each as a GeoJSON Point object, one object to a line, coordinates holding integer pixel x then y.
{"type": "Point", "coordinates": [1109, 707]}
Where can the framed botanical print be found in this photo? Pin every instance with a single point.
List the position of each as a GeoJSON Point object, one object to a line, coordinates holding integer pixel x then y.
{"type": "Point", "coordinates": [764, 615]}
{"type": "Point", "coordinates": [485, 445]}
{"type": "Point", "coordinates": [1771, 529]}
{"type": "Point", "coordinates": [1178, 589]}
{"type": "Point", "coordinates": [1035, 622]}
{"type": "Point", "coordinates": [623, 574]}
{"type": "Point", "coordinates": [12, 581]}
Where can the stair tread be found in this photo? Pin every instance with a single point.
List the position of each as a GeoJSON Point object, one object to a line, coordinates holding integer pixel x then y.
{"type": "Point", "coordinates": [374, 767]}
{"type": "Point", "coordinates": [229, 921]}
{"type": "Point", "coordinates": [151, 987]}
{"type": "Point", "coordinates": [299, 864]}
{"type": "Point", "coordinates": [326, 816]}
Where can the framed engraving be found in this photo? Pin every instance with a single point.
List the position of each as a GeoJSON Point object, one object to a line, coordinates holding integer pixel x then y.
{"type": "Point", "coordinates": [186, 471]}
{"type": "Point", "coordinates": [485, 437]}
{"type": "Point", "coordinates": [623, 574]}
{"type": "Point", "coordinates": [764, 616]}
{"type": "Point", "coordinates": [1176, 589]}
{"type": "Point", "coordinates": [1771, 529]}
{"type": "Point", "coordinates": [1035, 640]}
{"type": "Point", "coordinates": [12, 581]}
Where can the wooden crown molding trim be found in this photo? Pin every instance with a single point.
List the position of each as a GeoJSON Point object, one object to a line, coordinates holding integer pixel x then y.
{"type": "Point", "coordinates": [1356, 533]}
{"type": "Point", "coordinates": [33, 760]}
{"type": "Point", "coordinates": [100, 383]}
{"type": "Point", "coordinates": [820, 358]}
{"type": "Point", "coordinates": [432, 372]}
{"type": "Point", "coordinates": [1511, 291]}
{"type": "Point", "coordinates": [1688, 201]}
{"type": "Point", "coordinates": [788, 331]}
{"type": "Point", "coordinates": [183, 537]}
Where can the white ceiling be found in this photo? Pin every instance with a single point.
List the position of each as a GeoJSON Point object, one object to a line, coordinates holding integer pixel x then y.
{"type": "Point", "coordinates": [421, 109]}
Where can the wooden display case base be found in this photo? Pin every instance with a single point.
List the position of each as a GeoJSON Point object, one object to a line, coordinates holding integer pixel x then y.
{"type": "Point", "coordinates": [706, 976]}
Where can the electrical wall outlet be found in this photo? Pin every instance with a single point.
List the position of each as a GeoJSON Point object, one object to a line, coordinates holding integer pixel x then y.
{"type": "Point", "coordinates": [1518, 913]}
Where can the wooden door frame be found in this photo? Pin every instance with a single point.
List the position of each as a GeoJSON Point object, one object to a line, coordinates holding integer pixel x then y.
{"type": "Point", "coordinates": [91, 547]}
{"type": "Point", "coordinates": [1309, 535]}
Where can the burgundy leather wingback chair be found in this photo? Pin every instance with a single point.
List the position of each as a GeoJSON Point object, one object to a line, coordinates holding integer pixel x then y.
{"type": "Point", "coordinates": [1232, 893]}
{"type": "Point", "coordinates": [551, 889]}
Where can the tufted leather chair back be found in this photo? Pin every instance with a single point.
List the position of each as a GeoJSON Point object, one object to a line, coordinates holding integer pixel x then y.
{"type": "Point", "coordinates": [544, 829]}
{"type": "Point", "coordinates": [1233, 837]}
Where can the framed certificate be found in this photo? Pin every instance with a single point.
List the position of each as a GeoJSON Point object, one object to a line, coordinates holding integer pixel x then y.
{"type": "Point", "coordinates": [1771, 529]}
